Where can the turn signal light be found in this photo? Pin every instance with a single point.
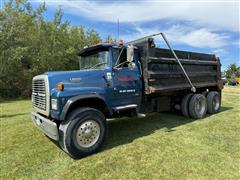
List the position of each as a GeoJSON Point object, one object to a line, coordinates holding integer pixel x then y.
{"type": "Point", "coordinates": [60, 86]}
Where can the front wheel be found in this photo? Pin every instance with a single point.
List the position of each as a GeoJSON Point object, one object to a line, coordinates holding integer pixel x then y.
{"type": "Point", "coordinates": [83, 133]}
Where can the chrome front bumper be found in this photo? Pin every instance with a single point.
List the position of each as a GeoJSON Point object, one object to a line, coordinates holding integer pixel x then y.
{"type": "Point", "coordinates": [47, 126]}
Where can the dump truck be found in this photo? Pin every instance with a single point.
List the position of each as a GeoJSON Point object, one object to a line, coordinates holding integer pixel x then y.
{"type": "Point", "coordinates": [122, 80]}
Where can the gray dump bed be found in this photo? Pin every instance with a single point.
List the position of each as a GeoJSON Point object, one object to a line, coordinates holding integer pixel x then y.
{"type": "Point", "coordinates": [162, 73]}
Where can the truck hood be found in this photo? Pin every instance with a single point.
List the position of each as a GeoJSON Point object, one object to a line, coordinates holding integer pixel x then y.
{"type": "Point", "coordinates": [74, 80]}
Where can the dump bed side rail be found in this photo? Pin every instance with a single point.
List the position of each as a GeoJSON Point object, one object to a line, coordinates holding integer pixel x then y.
{"type": "Point", "coordinates": [163, 70]}
{"type": "Point", "coordinates": [193, 89]}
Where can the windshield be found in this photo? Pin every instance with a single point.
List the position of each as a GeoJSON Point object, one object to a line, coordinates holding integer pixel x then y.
{"type": "Point", "coordinates": [97, 59]}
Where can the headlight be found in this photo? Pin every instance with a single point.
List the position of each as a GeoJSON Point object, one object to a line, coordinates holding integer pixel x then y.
{"type": "Point", "coordinates": [54, 104]}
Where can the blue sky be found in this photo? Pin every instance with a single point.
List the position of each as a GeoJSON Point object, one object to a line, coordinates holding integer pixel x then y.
{"type": "Point", "coordinates": [203, 26]}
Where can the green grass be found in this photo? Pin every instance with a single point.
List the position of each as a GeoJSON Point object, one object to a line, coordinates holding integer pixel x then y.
{"type": "Point", "coordinates": [232, 89]}
{"type": "Point", "coordinates": [164, 145]}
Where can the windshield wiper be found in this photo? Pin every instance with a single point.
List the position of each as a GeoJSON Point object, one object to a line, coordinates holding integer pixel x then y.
{"type": "Point", "coordinates": [96, 65]}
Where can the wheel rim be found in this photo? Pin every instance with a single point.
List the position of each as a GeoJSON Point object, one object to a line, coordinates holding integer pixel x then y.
{"type": "Point", "coordinates": [216, 103]}
{"type": "Point", "coordinates": [200, 106]}
{"type": "Point", "coordinates": [88, 133]}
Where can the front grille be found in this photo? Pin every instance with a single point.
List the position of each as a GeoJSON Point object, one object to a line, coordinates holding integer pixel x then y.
{"type": "Point", "coordinates": [39, 94]}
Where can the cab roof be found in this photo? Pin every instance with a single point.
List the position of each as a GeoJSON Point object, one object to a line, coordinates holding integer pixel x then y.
{"type": "Point", "coordinates": [96, 47]}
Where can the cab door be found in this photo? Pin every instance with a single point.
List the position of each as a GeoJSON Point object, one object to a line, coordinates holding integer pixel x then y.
{"type": "Point", "coordinates": [127, 85]}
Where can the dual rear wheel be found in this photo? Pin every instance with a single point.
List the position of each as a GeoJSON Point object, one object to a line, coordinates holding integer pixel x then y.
{"type": "Point", "coordinates": [197, 105]}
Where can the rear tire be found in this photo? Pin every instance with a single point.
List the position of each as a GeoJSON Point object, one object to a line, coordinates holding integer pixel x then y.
{"type": "Point", "coordinates": [198, 106]}
{"type": "Point", "coordinates": [83, 133]}
{"type": "Point", "coordinates": [213, 102]}
{"type": "Point", "coordinates": [185, 105]}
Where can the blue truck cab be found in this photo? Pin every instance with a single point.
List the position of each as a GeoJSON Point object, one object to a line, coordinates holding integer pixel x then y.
{"type": "Point", "coordinates": [116, 80]}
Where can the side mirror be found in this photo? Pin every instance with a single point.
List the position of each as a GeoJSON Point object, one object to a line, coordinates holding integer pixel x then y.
{"type": "Point", "coordinates": [130, 53]}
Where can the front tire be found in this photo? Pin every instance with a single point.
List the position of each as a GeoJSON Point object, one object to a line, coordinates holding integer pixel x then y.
{"type": "Point", "coordinates": [83, 133]}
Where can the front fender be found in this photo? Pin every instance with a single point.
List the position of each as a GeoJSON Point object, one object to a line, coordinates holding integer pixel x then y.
{"type": "Point", "coordinates": [72, 94]}
{"type": "Point", "coordinates": [74, 99]}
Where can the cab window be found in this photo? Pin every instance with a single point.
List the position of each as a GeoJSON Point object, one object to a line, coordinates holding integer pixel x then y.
{"type": "Point", "coordinates": [122, 58]}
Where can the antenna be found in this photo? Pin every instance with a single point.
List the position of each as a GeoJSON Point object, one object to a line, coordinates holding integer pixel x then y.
{"type": "Point", "coordinates": [118, 28]}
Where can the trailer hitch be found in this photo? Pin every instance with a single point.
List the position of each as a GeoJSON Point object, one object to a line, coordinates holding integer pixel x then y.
{"type": "Point", "coordinates": [193, 89]}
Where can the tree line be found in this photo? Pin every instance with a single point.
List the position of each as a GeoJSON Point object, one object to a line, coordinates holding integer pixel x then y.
{"type": "Point", "coordinates": [31, 45]}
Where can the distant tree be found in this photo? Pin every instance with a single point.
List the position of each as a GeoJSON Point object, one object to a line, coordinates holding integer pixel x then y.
{"type": "Point", "coordinates": [92, 37]}
{"type": "Point", "coordinates": [108, 39]}
{"type": "Point", "coordinates": [232, 71]}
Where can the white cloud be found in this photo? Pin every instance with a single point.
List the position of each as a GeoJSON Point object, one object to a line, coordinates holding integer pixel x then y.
{"type": "Point", "coordinates": [203, 37]}
{"type": "Point", "coordinates": [211, 17]}
{"type": "Point", "coordinates": [220, 52]}
{"type": "Point", "coordinates": [181, 34]}
{"type": "Point", "coordinates": [213, 14]}
{"type": "Point", "coordinates": [197, 37]}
